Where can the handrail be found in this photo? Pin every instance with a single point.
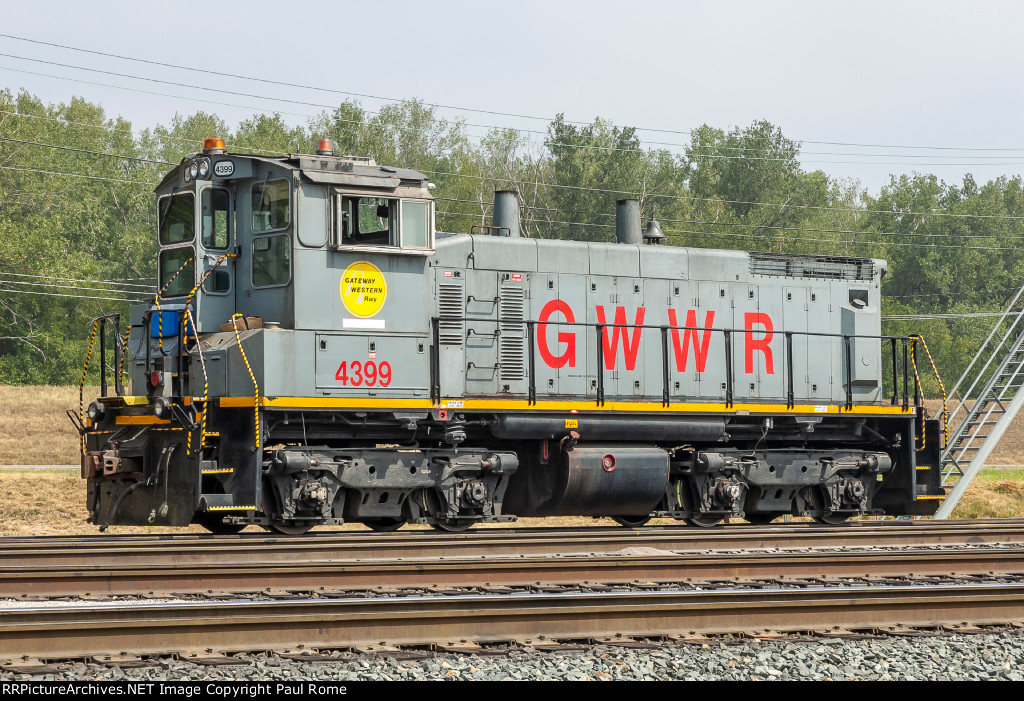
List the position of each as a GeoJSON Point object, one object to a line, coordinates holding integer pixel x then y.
{"type": "Point", "coordinates": [600, 328]}
{"type": "Point", "coordinates": [978, 375]}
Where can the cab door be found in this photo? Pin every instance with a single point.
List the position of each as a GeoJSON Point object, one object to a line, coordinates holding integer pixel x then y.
{"type": "Point", "coordinates": [215, 300]}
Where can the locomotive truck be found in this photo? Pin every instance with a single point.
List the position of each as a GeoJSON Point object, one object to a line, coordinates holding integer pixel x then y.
{"type": "Point", "coordinates": [318, 353]}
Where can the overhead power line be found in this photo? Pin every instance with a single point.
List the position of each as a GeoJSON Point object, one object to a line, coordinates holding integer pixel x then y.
{"type": "Point", "coordinates": [318, 88]}
{"type": "Point", "coordinates": [76, 175]}
{"type": "Point", "coordinates": [57, 294]}
{"type": "Point", "coordinates": [995, 160]}
{"type": "Point", "coordinates": [677, 233]}
{"type": "Point", "coordinates": [64, 286]}
{"type": "Point", "coordinates": [76, 279]}
{"type": "Point", "coordinates": [689, 198]}
{"type": "Point", "coordinates": [768, 227]}
{"type": "Point", "coordinates": [79, 150]}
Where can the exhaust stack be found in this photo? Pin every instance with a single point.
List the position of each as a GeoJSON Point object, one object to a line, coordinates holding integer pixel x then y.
{"type": "Point", "coordinates": [627, 222]}
{"type": "Point", "coordinates": [506, 213]}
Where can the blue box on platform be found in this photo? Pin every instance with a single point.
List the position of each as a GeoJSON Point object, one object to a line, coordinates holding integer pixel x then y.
{"type": "Point", "coordinates": [169, 320]}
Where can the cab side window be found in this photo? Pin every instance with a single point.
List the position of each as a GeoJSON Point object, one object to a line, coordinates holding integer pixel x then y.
{"type": "Point", "coordinates": [368, 221]}
{"type": "Point", "coordinates": [382, 221]}
{"type": "Point", "coordinates": [270, 206]}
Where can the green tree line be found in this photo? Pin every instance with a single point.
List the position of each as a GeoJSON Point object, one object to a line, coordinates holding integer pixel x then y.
{"type": "Point", "coordinates": [77, 214]}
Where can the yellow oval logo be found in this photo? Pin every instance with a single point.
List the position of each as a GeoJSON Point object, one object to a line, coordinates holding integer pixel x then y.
{"type": "Point", "coordinates": [363, 289]}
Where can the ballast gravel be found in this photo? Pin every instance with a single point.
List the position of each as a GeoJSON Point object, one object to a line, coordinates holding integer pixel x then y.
{"type": "Point", "coordinates": [996, 656]}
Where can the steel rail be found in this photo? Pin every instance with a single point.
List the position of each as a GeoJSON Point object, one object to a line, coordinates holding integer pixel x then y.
{"type": "Point", "coordinates": [174, 578]}
{"type": "Point", "coordinates": [124, 550]}
{"type": "Point", "coordinates": [158, 629]}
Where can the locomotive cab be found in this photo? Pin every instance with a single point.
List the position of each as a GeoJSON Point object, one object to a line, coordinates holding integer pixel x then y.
{"type": "Point", "coordinates": [298, 276]}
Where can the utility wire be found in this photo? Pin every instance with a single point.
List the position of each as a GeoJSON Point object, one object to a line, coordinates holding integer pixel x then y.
{"type": "Point", "coordinates": [76, 175]}
{"type": "Point", "coordinates": [79, 150]}
{"type": "Point", "coordinates": [768, 227]}
{"type": "Point", "coordinates": [548, 143]}
{"type": "Point", "coordinates": [76, 279]}
{"type": "Point", "coordinates": [322, 89]}
{"type": "Point", "coordinates": [4, 291]}
{"type": "Point", "coordinates": [65, 286]}
{"type": "Point", "coordinates": [681, 233]}
{"type": "Point", "coordinates": [687, 198]}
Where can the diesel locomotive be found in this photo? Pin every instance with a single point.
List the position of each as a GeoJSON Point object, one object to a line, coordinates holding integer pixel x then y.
{"type": "Point", "coordinates": [318, 353]}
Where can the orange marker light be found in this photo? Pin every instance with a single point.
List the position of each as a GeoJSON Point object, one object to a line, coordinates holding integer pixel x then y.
{"type": "Point", "coordinates": [214, 145]}
{"type": "Point", "coordinates": [325, 148]}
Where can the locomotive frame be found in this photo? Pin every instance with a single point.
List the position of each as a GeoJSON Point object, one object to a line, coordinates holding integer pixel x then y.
{"type": "Point", "coordinates": [447, 381]}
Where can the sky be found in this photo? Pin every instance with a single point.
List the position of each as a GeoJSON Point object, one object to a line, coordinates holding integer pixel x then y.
{"type": "Point", "coordinates": [869, 88]}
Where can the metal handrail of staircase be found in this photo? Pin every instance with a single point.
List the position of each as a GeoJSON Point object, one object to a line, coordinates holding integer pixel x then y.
{"type": "Point", "coordinates": [990, 400]}
{"type": "Point", "coordinates": [976, 376]}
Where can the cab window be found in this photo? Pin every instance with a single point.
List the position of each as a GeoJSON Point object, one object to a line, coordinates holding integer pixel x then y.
{"type": "Point", "coordinates": [271, 260]}
{"type": "Point", "coordinates": [368, 221]}
{"type": "Point", "coordinates": [415, 224]}
{"type": "Point", "coordinates": [216, 218]}
{"type": "Point", "coordinates": [177, 218]}
{"type": "Point", "coordinates": [382, 221]}
{"type": "Point", "coordinates": [270, 206]}
{"type": "Point", "coordinates": [177, 272]}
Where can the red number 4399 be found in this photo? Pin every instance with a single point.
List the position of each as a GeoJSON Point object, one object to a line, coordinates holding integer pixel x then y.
{"type": "Point", "coordinates": [369, 373]}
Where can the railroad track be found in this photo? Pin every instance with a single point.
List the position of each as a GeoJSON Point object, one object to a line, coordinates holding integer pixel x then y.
{"type": "Point", "coordinates": [122, 550]}
{"type": "Point", "coordinates": [182, 577]}
{"type": "Point", "coordinates": [171, 565]}
{"type": "Point", "coordinates": [226, 627]}
{"type": "Point", "coordinates": [349, 589]}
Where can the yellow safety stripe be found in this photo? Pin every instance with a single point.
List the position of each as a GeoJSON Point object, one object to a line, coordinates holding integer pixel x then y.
{"type": "Point", "coordinates": [135, 401]}
{"type": "Point", "coordinates": [231, 508]}
{"type": "Point", "coordinates": [580, 406]}
{"type": "Point", "coordinates": [942, 388]}
{"type": "Point", "coordinates": [139, 421]}
{"type": "Point", "coordinates": [939, 496]}
{"type": "Point", "coordinates": [156, 302]}
{"type": "Point", "coordinates": [188, 300]}
{"type": "Point", "coordinates": [218, 472]}
{"type": "Point", "coordinates": [124, 352]}
{"type": "Point", "coordinates": [81, 386]}
{"type": "Point", "coordinates": [256, 387]}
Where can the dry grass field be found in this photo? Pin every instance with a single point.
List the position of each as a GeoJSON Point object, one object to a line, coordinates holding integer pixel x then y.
{"type": "Point", "coordinates": [35, 431]}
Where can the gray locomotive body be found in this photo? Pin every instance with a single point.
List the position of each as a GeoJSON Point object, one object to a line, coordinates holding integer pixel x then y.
{"type": "Point", "coordinates": [318, 354]}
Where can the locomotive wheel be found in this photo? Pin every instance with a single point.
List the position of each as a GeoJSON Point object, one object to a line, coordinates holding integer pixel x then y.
{"type": "Point", "coordinates": [215, 524]}
{"type": "Point", "coordinates": [269, 504]}
{"type": "Point", "coordinates": [452, 526]}
{"type": "Point", "coordinates": [818, 504]}
{"type": "Point", "coordinates": [631, 521]}
{"type": "Point", "coordinates": [432, 505]}
{"type": "Point", "coordinates": [704, 521]}
{"type": "Point", "coordinates": [831, 519]}
{"type": "Point", "coordinates": [761, 518]}
{"type": "Point", "coordinates": [385, 525]}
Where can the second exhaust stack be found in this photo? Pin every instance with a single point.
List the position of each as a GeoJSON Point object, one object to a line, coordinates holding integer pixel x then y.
{"type": "Point", "coordinates": [506, 213]}
{"type": "Point", "coordinates": [627, 222]}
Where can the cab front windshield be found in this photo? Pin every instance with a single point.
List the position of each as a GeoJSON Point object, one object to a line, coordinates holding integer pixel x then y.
{"type": "Point", "coordinates": [177, 218]}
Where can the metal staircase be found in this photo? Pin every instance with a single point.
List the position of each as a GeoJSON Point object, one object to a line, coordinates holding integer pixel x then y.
{"type": "Point", "coordinates": [995, 377]}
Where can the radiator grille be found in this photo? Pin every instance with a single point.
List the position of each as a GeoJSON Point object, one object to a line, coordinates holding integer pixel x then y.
{"type": "Point", "coordinates": [450, 304]}
{"type": "Point", "coordinates": [822, 267]}
{"type": "Point", "coordinates": [511, 342]}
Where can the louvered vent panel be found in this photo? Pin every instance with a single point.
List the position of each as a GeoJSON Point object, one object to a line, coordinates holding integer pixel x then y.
{"type": "Point", "coordinates": [450, 304]}
{"type": "Point", "coordinates": [511, 342]}
{"type": "Point", "coordinates": [824, 267]}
